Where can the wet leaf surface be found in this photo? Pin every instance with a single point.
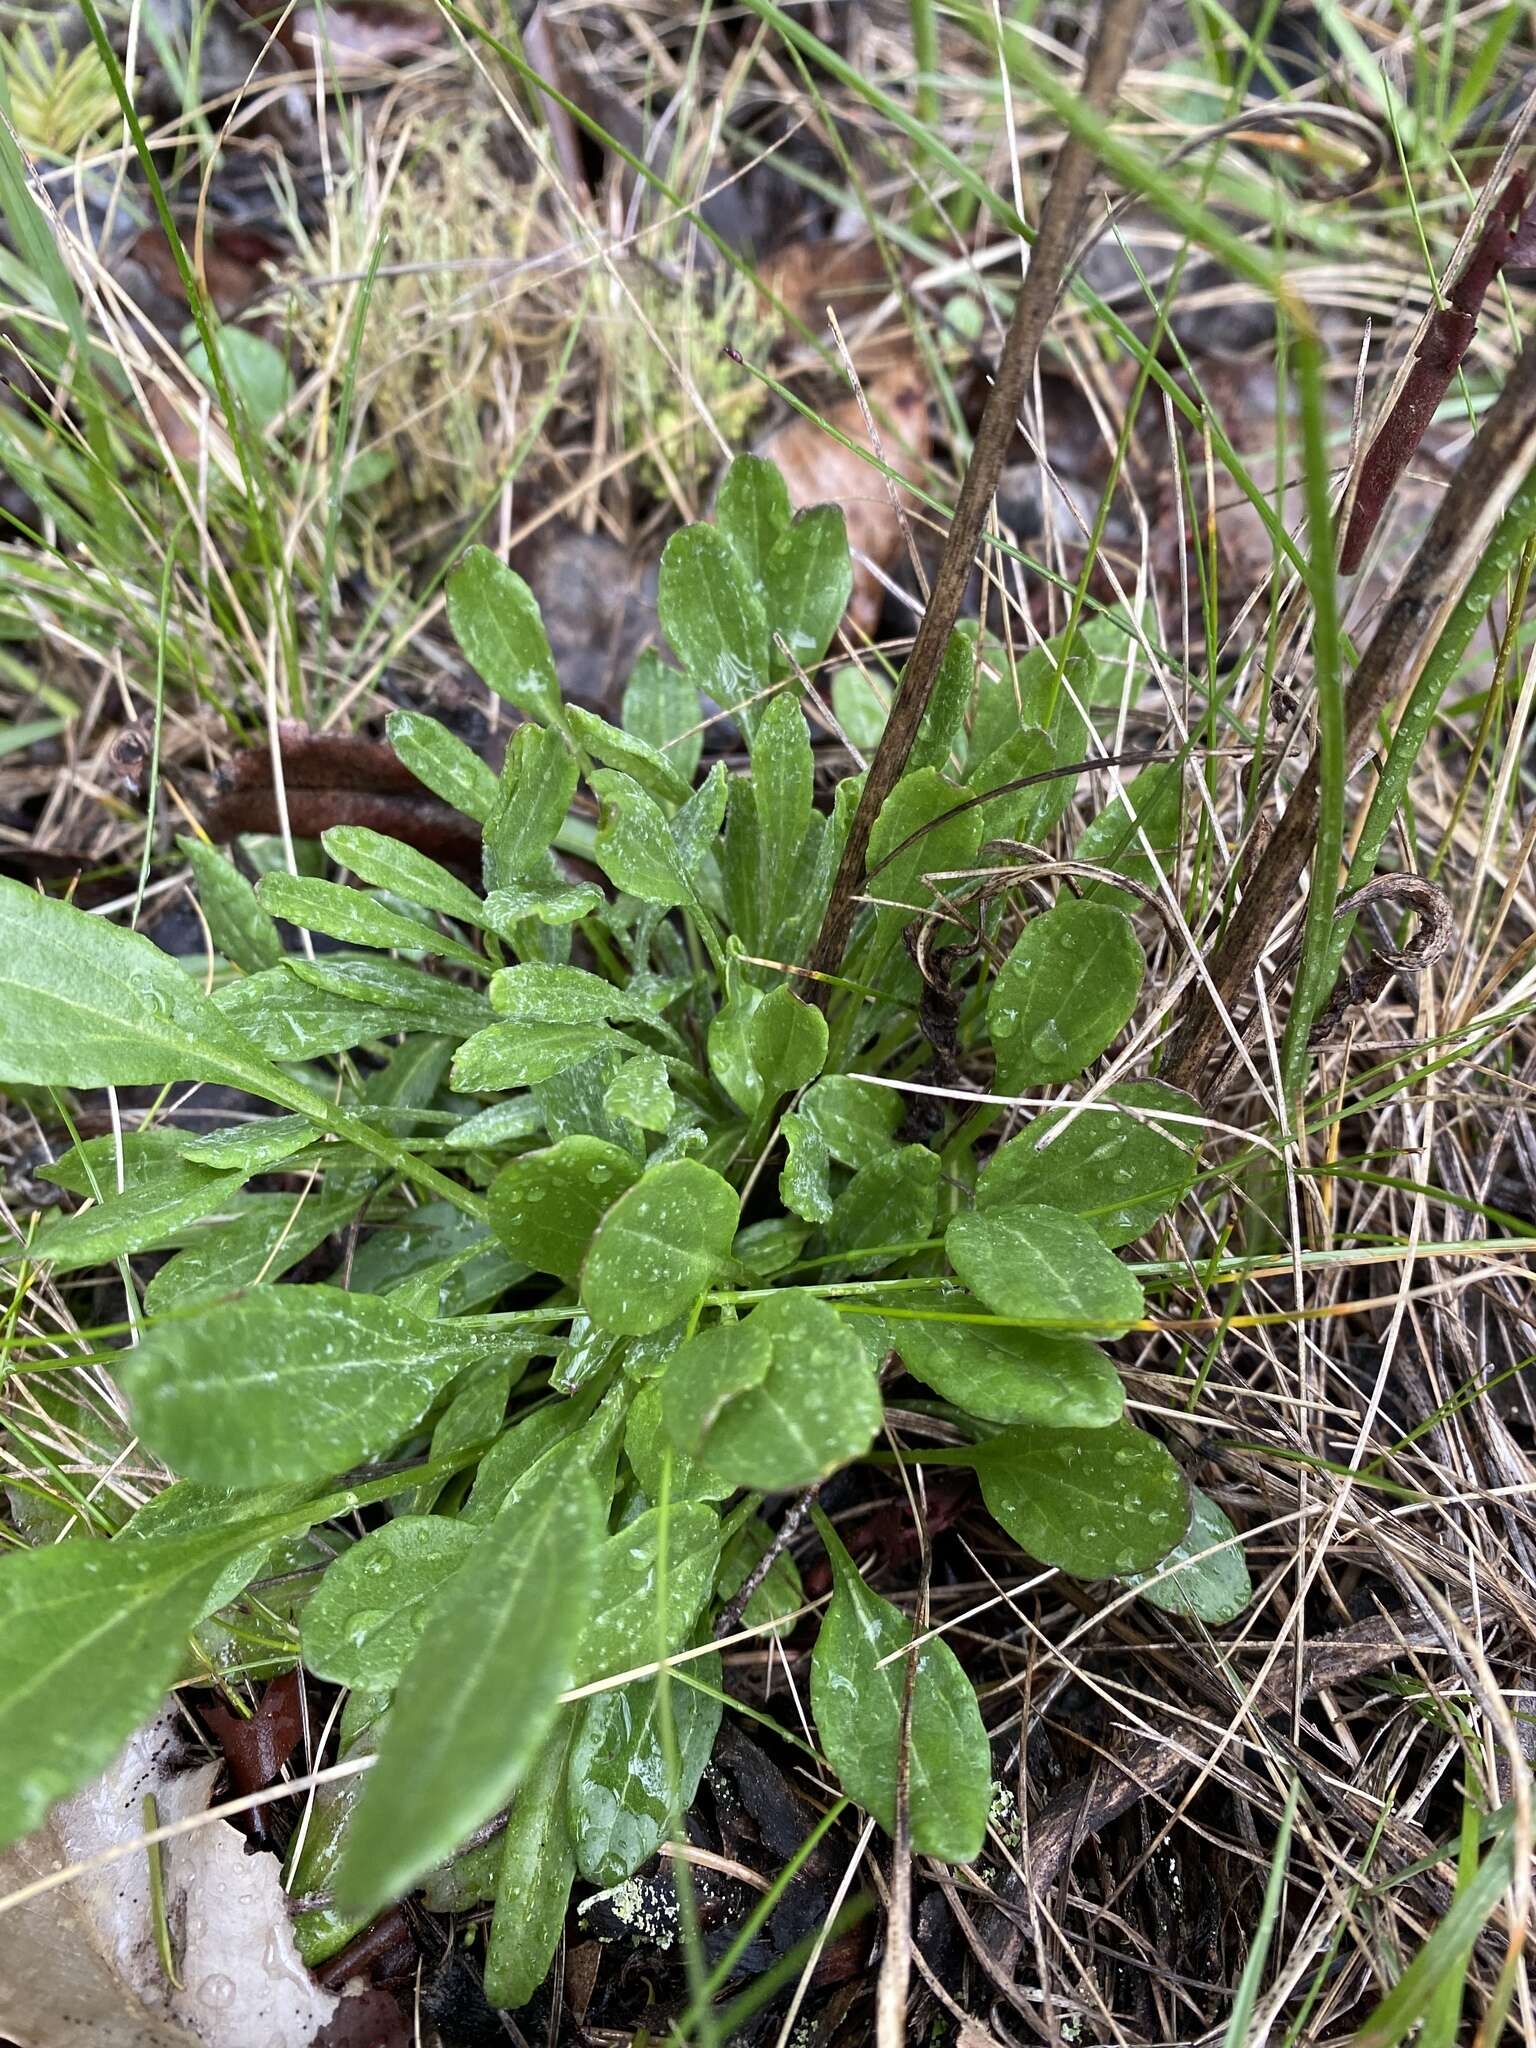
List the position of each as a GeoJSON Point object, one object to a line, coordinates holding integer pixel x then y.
{"type": "Point", "coordinates": [856, 1696]}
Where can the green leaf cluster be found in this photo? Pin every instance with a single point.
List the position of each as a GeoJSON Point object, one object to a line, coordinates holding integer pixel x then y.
{"type": "Point", "coordinates": [628, 1235]}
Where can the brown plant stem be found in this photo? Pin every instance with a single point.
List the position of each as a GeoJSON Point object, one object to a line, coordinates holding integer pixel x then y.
{"type": "Point", "coordinates": [1495, 465]}
{"type": "Point", "coordinates": [1446, 338]}
{"type": "Point", "coordinates": [1059, 220]}
{"type": "Point", "coordinates": [419, 819]}
{"type": "Point", "coordinates": [790, 1523]}
{"type": "Point", "coordinates": [320, 760]}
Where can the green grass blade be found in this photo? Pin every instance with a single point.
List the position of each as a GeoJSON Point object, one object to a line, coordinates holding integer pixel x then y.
{"type": "Point", "coordinates": [1247, 1998]}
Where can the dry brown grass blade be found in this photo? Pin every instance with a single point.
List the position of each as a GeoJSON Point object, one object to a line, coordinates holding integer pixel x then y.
{"type": "Point", "coordinates": [1147, 1767]}
{"type": "Point", "coordinates": [1059, 221]}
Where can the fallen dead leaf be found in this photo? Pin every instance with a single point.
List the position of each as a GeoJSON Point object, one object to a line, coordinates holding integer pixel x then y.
{"type": "Point", "coordinates": [599, 607]}
{"type": "Point", "coordinates": [819, 470]}
{"type": "Point", "coordinates": [80, 1963]}
{"type": "Point", "coordinates": [365, 35]}
{"type": "Point", "coordinates": [256, 1746]}
{"type": "Point", "coordinates": [850, 279]}
{"type": "Point", "coordinates": [178, 413]}
{"type": "Point", "coordinates": [235, 264]}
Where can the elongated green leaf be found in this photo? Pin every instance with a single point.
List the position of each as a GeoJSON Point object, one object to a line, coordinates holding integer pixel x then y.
{"type": "Point", "coordinates": [143, 1218]}
{"type": "Point", "coordinates": [538, 780]}
{"type": "Point", "coordinates": [474, 1414]}
{"type": "Point", "coordinates": [743, 868]}
{"type": "Point", "coordinates": [642, 1092]}
{"type": "Point", "coordinates": [266, 1237]}
{"type": "Point", "coordinates": [91, 1634]}
{"type": "Point", "coordinates": [713, 617]}
{"type": "Point", "coordinates": [480, 1695]}
{"type": "Point", "coordinates": [634, 1609]}
{"type": "Point", "coordinates": [572, 1100]}
{"type": "Point", "coordinates": [655, 1459]}
{"type": "Point", "coordinates": [807, 582]}
{"type": "Point", "coordinates": [240, 928]}
{"type": "Point", "coordinates": [767, 1248]}
{"type": "Point", "coordinates": [940, 734]}
{"type": "Point", "coordinates": [804, 1180]}
{"type": "Point", "coordinates": [861, 703]}
{"type": "Point", "coordinates": [1097, 1502]}
{"type": "Point", "coordinates": [919, 810]}
{"type": "Point", "coordinates": [753, 512]}
{"type": "Point", "coordinates": [496, 620]}
{"type": "Point", "coordinates": [98, 1163]}
{"type": "Point", "coordinates": [782, 790]}
{"type": "Point", "coordinates": [661, 707]}
{"type": "Point", "coordinates": [364, 1620]}
{"type": "Point", "coordinates": [84, 1004]}
{"type": "Point", "coordinates": [1443, 1958]}
{"type": "Point", "coordinates": [1065, 991]}
{"type": "Point", "coordinates": [659, 1247]}
{"type": "Point", "coordinates": [1117, 1170]}
{"type": "Point", "coordinates": [286, 1383]}
{"type": "Point", "coordinates": [504, 1123]}
{"type": "Point", "coordinates": [1114, 639]}
{"type": "Point", "coordinates": [856, 1698]}
{"type": "Point", "coordinates": [440, 760]}
{"type": "Point", "coordinates": [387, 863]}
{"type": "Point", "coordinates": [922, 830]}
{"type": "Point", "coordinates": [565, 995]}
{"type": "Point", "coordinates": [855, 1120]}
{"type": "Point", "coordinates": [730, 1040]}
{"type": "Point", "coordinates": [1045, 1268]}
{"type": "Point", "coordinates": [519, 1054]}
{"type": "Point", "coordinates": [409, 1077]}
{"type": "Point", "coordinates": [635, 847]}
{"type": "Point", "coordinates": [621, 1798]}
{"type": "Point", "coordinates": [1115, 839]}
{"type": "Point", "coordinates": [787, 1042]}
{"type": "Point", "coordinates": [184, 1509]}
{"type": "Point", "coordinates": [696, 827]}
{"type": "Point", "coordinates": [1214, 1588]}
{"type": "Point", "coordinates": [637, 758]}
{"type": "Point", "coordinates": [545, 1205]}
{"type": "Point", "coordinates": [33, 236]}
{"type": "Point", "coordinates": [255, 1146]}
{"type": "Point", "coordinates": [444, 1255]}
{"type": "Point", "coordinates": [645, 1358]}
{"type": "Point", "coordinates": [1016, 813]}
{"type": "Point", "coordinates": [1044, 692]}
{"type": "Point", "coordinates": [824, 847]}
{"type": "Point", "coordinates": [319, 1932]}
{"type": "Point", "coordinates": [290, 1019]}
{"type": "Point", "coordinates": [583, 1355]}
{"type": "Point", "coordinates": [415, 1000]}
{"type": "Point", "coordinates": [1005, 1375]}
{"type": "Point", "coordinates": [778, 1596]}
{"type": "Point", "coordinates": [524, 1452]}
{"type": "Point", "coordinates": [553, 903]}
{"type": "Point", "coordinates": [777, 1400]}
{"type": "Point", "coordinates": [888, 1204]}
{"type": "Point", "coordinates": [357, 919]}
{"type": "Point", "coordinates": [534, 1875]}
